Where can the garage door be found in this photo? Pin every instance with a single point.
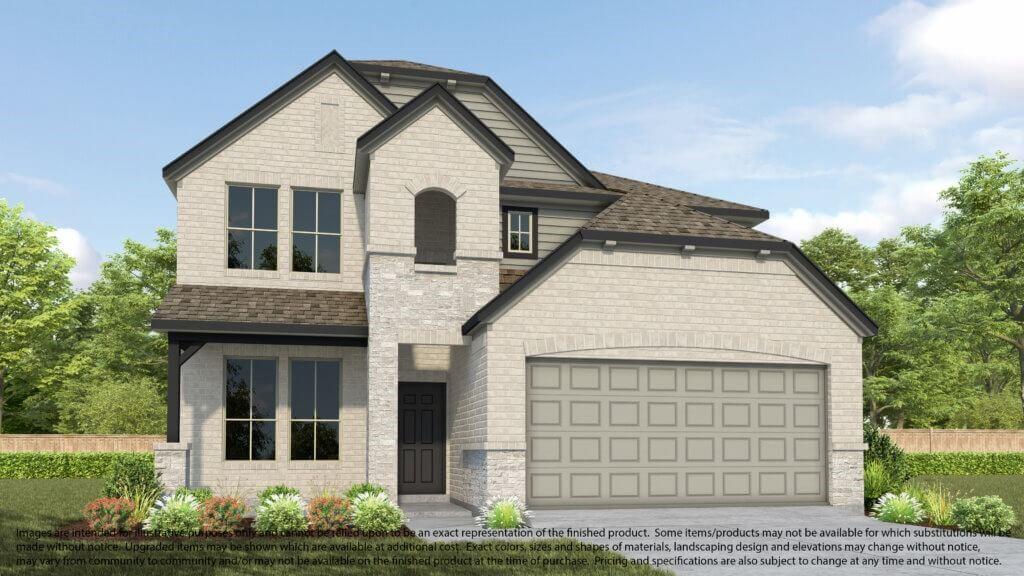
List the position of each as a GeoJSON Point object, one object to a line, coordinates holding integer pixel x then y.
{"type": "Point", "coordinates": [619, 434]}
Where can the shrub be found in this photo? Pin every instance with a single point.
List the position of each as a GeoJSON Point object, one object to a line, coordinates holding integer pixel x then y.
{"type": "Point", "coordinates": [877, 481]}
{"type": "Point", "coordinates": [222, 514]}
{"type": "Point", "coordinates": [109, 515]}
{"type": "Point", "coordinates": [175, 515]}
{"type": "Point", "coordinates": [376, 513]}
{"type": "Point", "coordinates": [901, 508]}
{"type": "Point", "coordinates": [364, 488]}
{"type": "Point", "coordinates": [936, 501]}
{"type": "Point", "coordinates": [132, 475]}
{"type": "Point", "coordinates": [280, 489]}
{"type": "Point", "coordinates": [504, 514]}
{"type": "Point", "coordinates": [882, 449]}
{"type": "Point", "coordinates": [965, 463]}
{"type": "Point", "coordinates": [281, 514]}
{"type": "Point", "coordinates": [329, 513]}
{"type": "Point", "coordinates": [65, 464]}
{"type": "Point", "coordinates": [200, 494]}
{"type": "Point", "coordinates": [984, 515]}
{"type": "Point", "coordinates": [144, 498]}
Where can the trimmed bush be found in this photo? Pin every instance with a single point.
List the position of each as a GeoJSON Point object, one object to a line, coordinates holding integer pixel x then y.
{"type": "Point", "coordinates": [329, 513]}
{"type": "Point", "coordinates": [281, 514]}
{"type": "Point", "coordinates": [882, 449]}
{"type": "Point", "coordinates": [175, 515]}
{"type": "Point", "coordinates": [364, 488]}
{"type": "Point", "coordinates": [901, 508]}
{"type": "Point", "coordinates": [376, 513]}
{"type": "Point", "coordinates": [984, 515]}
{"type": "Point", "coordinates": [222, 514]}
{"type": "Point", "coordinates": [278, 490]}
{"type": "Point", "coordinates": [132, 475]}
{"type": "Point", "coordinates": [109, 515]}
{"type": "Point", "coordinates": [200, 494]}
{"type": "Point", "coordinates": [65, 464]}
{"type": "Point", "coordinates": [504, 514]}
{"type": "Point", "coordinates": [965, 463]}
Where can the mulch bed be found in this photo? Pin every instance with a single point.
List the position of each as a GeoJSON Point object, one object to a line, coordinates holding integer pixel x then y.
{"type": "Point", "coordinates": [80, 531]}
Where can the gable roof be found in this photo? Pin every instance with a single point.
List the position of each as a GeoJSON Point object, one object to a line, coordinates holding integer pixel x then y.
{"type": "Point", "coordinates": [408, 65]}
{"type": "Point", "coordinates": [438, 96]}
{"type": "Point", "coordinates": [706, 204]}
{"type": "Point", "coordinates": [332, 62]}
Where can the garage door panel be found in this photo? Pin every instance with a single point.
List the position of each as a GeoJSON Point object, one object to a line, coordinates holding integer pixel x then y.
{"type": "Point", "coordinates": [634, 434]}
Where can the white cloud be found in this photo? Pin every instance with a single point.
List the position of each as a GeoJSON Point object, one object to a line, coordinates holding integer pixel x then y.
{"type": "Point", "coordinates": [87, 259]}
{"type": "Point", "coordinates": [899, 202]}
{"type": "Point", "coordinates": [968, 45]}
{"type": "Point", "coordinates": [1007, 136]}
{"type": "Point", "coordinates": [32, 183]}
{"type": "Point", "coordinates": [917, 117]}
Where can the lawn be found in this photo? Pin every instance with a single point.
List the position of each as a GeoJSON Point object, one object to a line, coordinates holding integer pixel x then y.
{"type": "Point", "coordinates": [51, 504]}
{"type": "Point", "coordinates": [1009, 488]}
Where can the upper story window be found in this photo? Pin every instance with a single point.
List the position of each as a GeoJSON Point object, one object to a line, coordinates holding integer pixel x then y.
{"type": "Point", "coordinates": [316, 238]}
{"type": "Point", "coordinates": [316, 400]}
{"type": "Point", "coordinates": [520, 237]}
{"type": "Point", "coordinates": [252, 228]}
{"type": "Point", "coordinates": [250, 404]}
{"type": "Point", "coordinates": [435, 228]}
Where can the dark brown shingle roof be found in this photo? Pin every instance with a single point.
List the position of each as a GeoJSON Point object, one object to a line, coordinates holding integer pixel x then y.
{"type": "Point", "coordinates": [629, 185]}
{"type": "Point", "coordinates": [409, 65]}
{"type": "Point", "coordinates": [316, 309]}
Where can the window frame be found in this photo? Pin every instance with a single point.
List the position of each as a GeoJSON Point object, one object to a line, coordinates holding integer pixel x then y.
{"type": "Point", "coordinates": [317, 233]}
{"type": "Point", "coordinates": [315, 420]}
{"type": "Point", "coordinates": [252, 229]}
{"type": "Point", "coordinates": [507, 232]}
{"type": "Point", "coordinates": [224, 403]}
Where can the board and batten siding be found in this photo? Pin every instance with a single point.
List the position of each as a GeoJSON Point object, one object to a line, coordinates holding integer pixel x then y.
{"type": "Point", "coordinates": [531, 162]}
{"type": "Point", "coordinates": [555, 224]}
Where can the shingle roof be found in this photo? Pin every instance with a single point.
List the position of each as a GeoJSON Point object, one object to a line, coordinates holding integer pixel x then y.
{"type": "Point", "coordinates": [409, 65]}
{"type": "Point", "coordinates": [653, 211]}
{"type": "Point", "coordinates": [554, 186]}
{"type": "Point", "coordinates": [629, 185]}
{"type": "Point", "coordinates": [266, 306]}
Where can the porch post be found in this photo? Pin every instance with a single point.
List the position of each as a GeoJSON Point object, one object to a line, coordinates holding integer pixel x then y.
{"type": "Point", "coordinates": [382, 411]}
{"type": "Point", "coordinates": [173, 389]}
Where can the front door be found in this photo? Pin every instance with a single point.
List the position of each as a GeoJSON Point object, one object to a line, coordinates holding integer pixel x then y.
{"type": "Point", "coordinates": [421, 438]}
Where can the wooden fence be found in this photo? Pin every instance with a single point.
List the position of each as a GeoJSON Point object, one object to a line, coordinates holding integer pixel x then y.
{"type": "Point", "coordinates": [77, 443]}
{"type": "Point", "coordinates": [957, 440]}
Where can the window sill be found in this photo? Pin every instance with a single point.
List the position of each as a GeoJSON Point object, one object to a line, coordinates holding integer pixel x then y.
{"type": "Point", "coordinates": [316, 276]}
{"type": "Point", "coordinates": [247, 273]}
{"type": "Point", "coordinates": [435, 268]}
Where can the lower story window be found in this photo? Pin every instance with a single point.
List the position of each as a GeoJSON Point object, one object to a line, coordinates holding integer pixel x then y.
{"type": "Point", "coordinates": [315, 402]}
{"type": "Point", "coordinates": [250, 403]}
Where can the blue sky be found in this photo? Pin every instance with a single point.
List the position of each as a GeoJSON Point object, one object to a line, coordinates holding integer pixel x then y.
{"type": "Point", "coordinates": [853, 114]}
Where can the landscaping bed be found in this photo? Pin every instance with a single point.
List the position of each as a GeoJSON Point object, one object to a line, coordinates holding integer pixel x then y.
{"type": "Point", "coordinates": [1008, 487]}
{"type": "Point", "coordinates": [80, 530]}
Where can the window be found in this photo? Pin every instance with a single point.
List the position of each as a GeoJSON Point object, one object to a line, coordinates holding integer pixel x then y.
{"type": "Point", "coordinates": [250, 401]}
{"type": "Point", "coordinates": [315, 397]}
{"type": "Point", "coordinates": [435, 228]}
{"type": "Point", "coordinates": [520, 238]}
{"type": "Point", "coordinates": [252, 228]}
{"type": "Point", "coordinates": [316, 242]}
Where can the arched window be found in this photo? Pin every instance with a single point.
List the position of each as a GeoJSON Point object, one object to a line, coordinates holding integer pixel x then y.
{"type": "Point", "coordinates": [435, 228]}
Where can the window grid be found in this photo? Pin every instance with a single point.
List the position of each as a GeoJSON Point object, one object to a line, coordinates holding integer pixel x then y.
{"type": "Point", "coordinates": [252, 229]}
{"type": "Point", "coordinates": [316, 233]}
{"type": "Point", "coordinates": [250, 420]}
{"type": "Point", "coordinates": [520, 231]}
{"type": "Point", "coordinates": [316, 408]}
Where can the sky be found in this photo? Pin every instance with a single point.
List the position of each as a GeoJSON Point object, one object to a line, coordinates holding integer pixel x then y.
{"type": "Point", "coordinates": [848, 114]}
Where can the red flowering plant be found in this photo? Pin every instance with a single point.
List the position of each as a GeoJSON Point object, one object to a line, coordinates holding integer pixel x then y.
{"type": "Point", "coordinates": [222, 514]}
{"type": "Point", "coordinates": [329, 513]}
{"type": "Point", "coordinates": [109, 515]}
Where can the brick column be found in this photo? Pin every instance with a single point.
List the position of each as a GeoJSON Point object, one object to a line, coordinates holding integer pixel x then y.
{"type": "Point", "coordinates": [171, 460]}
{"type": "Point", "coordinates": [382, 411]}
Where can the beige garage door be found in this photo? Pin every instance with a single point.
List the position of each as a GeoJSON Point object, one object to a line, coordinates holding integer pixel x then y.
{"type": "Point", "coordinates": [620, 434]}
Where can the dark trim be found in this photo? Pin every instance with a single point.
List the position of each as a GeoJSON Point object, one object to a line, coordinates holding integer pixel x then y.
{"type": "Point", "coordinates": [173, 391]}
{"type": "Point", "coordinates": [866, 324]}
{"type": "Point", "coordinates": [518, 192]}
{"type": "Point", "coordinates": [271, 339]}
{"type": "Point", "coordinates": [436, 94]}
{"type": "Point", "coordinates": [257, 328]}
{"type": "Point", "coordinates": [241, 123]}
{"type": "Point", "coordinates": [189, 349]}
{"type": "Point", "coordinates": [534, 226]}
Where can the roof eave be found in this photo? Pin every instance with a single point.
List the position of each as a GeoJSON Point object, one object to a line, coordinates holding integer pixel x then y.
{"type": "Point", "coordinates": [217, 327]}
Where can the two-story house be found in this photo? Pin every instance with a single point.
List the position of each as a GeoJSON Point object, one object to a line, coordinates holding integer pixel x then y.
{"type": "Point", "coordinates": [391, 272]}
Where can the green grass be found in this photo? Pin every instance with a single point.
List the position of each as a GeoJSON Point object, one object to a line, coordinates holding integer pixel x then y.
{"type": "Point", "coordinates": [51, 504]}
{"type": "Point", "coordinates": [1009, 488]}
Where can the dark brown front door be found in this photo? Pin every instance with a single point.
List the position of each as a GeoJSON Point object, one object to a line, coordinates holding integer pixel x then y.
{"type": "Point", "coordinates": [421, 438]}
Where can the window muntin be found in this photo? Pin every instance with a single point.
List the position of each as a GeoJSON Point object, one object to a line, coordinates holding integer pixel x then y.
{"type": "Point", "coordinates": [520, 239]}
{"type": "Point", "coordinates": [252, 228]}
{"type": "Point", "coordinates": [316, 237]}
{"type": "Point", "coordinates": [250, 405]}
{"type": "Point", "coordinates": [315, 401]}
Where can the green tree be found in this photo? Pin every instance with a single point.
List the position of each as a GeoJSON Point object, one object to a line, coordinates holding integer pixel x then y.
{"type": "Point", "coordinates": [116, 381]}
{"type": "Point", "coordinates": [842, 258]}
{"type": "Point", "coordinates": [35, 301]}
